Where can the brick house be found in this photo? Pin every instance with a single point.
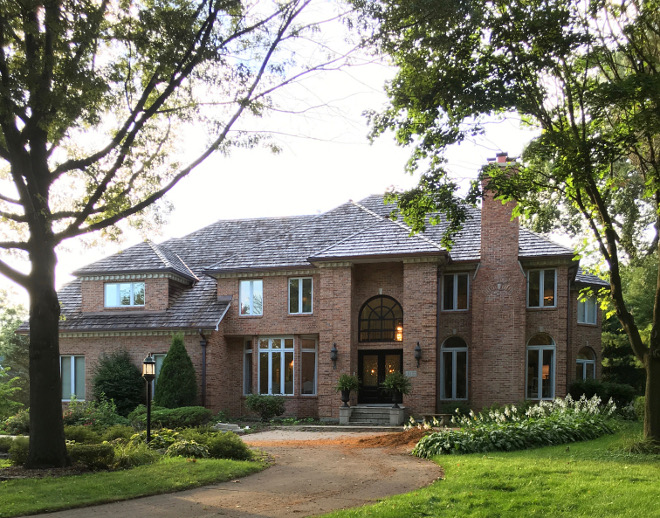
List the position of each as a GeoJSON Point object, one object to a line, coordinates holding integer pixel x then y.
{"type": "Point", "coordinates": [263, 302]}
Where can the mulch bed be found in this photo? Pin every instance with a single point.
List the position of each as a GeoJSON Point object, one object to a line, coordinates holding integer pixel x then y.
{"type": "Point", "coordinates": [19, 472]}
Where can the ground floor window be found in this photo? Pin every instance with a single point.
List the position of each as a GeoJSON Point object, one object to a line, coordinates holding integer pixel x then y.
{"type": "Point", "coordinates": [72, 372]}
{"type": "Point", "coordinates": [276, 366]}
{"type": "Point", "coordinates": [308, 367]}
{"type": "Point", "coordinates": [586, 364]}
{"type": "Point", "coordinates": [541, 367]}
{"type": "Point", "coordinates": [247, 367]}
{"type": "Point", "coordinates": [453, 369]}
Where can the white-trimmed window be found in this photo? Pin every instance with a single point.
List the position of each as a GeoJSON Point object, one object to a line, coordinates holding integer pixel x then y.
{"type": "Point", "coordinates": [121, 294]}
{"type": "Point", "coordinates": [72, 372]}
{"type": "Point", "coordinates": [251, 297]}
{"type": "Point", "coordinates": [587, 309]}
{"type": "Point", "coordinates": [300, 295]}
{"type": "Point", "coordinates": [540, 373]}
{"type": "Point", "coordinates": [276, 366]}
{"type": "Point", "coordinates": [542, 288]}
{"type": "Point", "coordinates": [585, 368]}
{"type": "Point", "coordinates": [308, 367]}
{"type": "Point", "coordinates": [247, 367]}
{"type": "Point", "coordinates": [453, 369]}
{"type": "Point", "coordinates": [455, 290]}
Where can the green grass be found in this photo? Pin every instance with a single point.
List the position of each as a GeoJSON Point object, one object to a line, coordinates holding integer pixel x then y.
{"type": "Point", "coordinates": [591, 479]}
{"type": "Point", "coordinates": [29, 496]}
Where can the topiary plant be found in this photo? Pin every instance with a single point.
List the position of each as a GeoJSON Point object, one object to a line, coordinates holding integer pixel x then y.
{"type": "Point", "coordinates": [266, 406]}
{"type": "Point", "coordinates": [118, 378]}
{"type": "Point", "coordinates": [176, 385]}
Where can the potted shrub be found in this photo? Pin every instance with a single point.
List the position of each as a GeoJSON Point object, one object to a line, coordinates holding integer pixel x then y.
{"type": "Point", "coordinates": [398, 384]}
{"type": "Point", "coordinates": [345, 384]}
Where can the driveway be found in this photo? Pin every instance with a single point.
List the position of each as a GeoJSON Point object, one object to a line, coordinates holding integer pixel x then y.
{"type": "Point", "coordinates": [313, 473]}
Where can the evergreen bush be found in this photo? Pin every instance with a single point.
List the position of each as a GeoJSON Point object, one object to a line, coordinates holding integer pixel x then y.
{"type": "Point", "coordinates": [182, 417]}
{"type": "Point", "coordinates": [116, 377]}
{"type": "Point", "coordinates": [5, 444]}
{"type": "Point", "coordinates": [81, 434]}
{"type": "Point", "coordinates": [92, 456]}
{"type": "Point", "coordinates": [18, 451]}
{"type": "Point", "coordinates": [620, 393]}
{"type": "Point", "coordinates": [176, 385]}
{"type": "Point", "coordinates": [228, 445]}
{"type": "Point", "coordinates": [118, 431]}
{"type": "Point", "coordinates": [266, 406]}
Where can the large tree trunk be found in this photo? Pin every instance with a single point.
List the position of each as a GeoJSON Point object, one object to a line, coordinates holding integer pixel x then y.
{"type": "Point", "coordinates": [652, 397]}
{"type": "Point", "coordinates": [47, 445]}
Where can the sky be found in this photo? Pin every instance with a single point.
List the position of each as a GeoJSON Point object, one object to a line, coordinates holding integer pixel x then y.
{"type": "Point", "coordinates": [325, 161]}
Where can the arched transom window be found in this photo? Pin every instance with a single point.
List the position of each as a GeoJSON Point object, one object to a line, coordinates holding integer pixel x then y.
{"type": "Point", "coordinates": [381, 320]}
{"type": "Point", "coordinates": [586, 364]}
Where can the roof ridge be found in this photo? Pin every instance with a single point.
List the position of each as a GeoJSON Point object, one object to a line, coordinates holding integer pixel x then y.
{"type": "Point", "coordinates": [399, 224]}
{"type": "Point", "coordinates": [157, 250]}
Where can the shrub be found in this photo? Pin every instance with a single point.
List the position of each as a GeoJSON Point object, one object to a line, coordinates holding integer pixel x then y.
{"type": "Point", "coordinates": [182, 417]}
{"type": "Point", "coordinates": [640, 408]}
{"type": "Point", "coordinates": [118, 431]}
{"type": "Point", "coordinates": [176, 385]}
{"type": "Point", "coordinates": [228, 445]}
{"type": "Point", "coordinates": [266, 406]}
{"type": "Point", "coordinates": [190, 449]}
{"type": "Point", "coordinates": [93, 456]}
{"type": "Point", "coordinates": [18, 451]}
{"type": "Point", "coordinates": [160, 440]}
{"type": "Point", "coordinates": [546, 424]}
{"type": "Point", "coordinates": [131, 455]}
{"type": "Point", "coordinates": [5, 444]}
{"type": "Point", "coordinates": [620, 393]}
{"type": "Point", "coordinates": [97, 414]}
{"type": "Point", "coordinates": [18, 424]}
{"type": "Point", "coordinates": [116, 377]}
{"type": "Point", "coordinates": [81, 434]}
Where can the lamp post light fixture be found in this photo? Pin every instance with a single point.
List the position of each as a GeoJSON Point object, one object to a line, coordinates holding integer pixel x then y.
{"type": "Point", "coordinates": [149, 374]}
{"type": "Point", "coordinates": [418, 353]}
{"type": "Point", "coordinates": [333, 355]}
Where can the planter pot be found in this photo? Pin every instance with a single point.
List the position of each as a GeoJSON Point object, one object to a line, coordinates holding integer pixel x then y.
{"type": "Point", "coordinates": [397, 397]}
{"type": "Point", "coordinates": [345, 396]}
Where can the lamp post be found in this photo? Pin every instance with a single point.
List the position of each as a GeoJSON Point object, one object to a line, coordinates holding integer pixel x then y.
{"type": "Point", "coordinates": [149, 373]}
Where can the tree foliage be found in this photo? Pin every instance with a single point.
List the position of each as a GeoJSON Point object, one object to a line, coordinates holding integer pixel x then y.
{"type": "Point", "coordinates": [14, 353]}
{"type": "Point", "coordinates": [118, 378]}
{"type": "Point", "coordinates": [586, 73]}
{"type": "Point", "coordinates": [176, 385]}
{"type": "Point", "coordinates": [94, 97]}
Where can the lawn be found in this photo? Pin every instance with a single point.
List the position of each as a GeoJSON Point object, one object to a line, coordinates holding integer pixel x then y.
{"type": "Point", "coordinates": [30, 496]}
{"type": "Point", "coordinates": [592, 479]}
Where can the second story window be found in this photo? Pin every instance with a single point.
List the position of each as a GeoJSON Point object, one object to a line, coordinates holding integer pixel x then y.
{"type": "Point", "coordinates": [300, 295]}
{"type": "Point", "coordinates": [542, 288]}
{"type": "Point", "coordinates": [381, 320]}
{"type": "Point", "coordinates": [251, 297]}
{"type": "Point", "coordinates": [455, 291]}
{"type": "Point", "coordinates": [124, 294]}
{"type": "Point", "coordinates": [587, 310]}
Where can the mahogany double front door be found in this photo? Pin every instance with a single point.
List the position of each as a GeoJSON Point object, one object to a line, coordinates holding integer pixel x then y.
{"type": "Point", "coordinates": [373, 366]}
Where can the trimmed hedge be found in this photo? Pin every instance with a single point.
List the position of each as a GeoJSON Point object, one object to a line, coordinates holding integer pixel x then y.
{"type": "Point", "coordinates": [620, 393]}
{"type": "Point", "coordinates": [93, 456]}
{"type": "Point", "coordinates": [182, 417]}
{"type": "Point", "coordinates": [228, 445]}
{"type": "Point", "coordinates": [266, 406]}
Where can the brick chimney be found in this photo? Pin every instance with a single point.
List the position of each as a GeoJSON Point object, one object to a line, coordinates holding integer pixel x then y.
{"type": "Point", "coordinates": [499, 305]}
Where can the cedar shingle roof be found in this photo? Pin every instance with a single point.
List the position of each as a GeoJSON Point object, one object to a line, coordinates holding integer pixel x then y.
{"type": "Point", "coordinates": [350, 231]}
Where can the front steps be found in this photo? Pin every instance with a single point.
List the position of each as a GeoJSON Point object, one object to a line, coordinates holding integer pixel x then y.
{"type": "Point", "coordinates": [363, 415]}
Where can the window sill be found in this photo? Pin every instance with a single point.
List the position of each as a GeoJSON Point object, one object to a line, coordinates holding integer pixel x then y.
{"type": "Point", "coordinates": [588, 324]}
{"type": "Point", "coordinates": [455, 310]}
{"type": "Point", "coordinates": [538, 308]}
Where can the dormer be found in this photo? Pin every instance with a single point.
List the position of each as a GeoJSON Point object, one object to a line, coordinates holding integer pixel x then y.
{"type": "Point", "coordinates": [145, 277]}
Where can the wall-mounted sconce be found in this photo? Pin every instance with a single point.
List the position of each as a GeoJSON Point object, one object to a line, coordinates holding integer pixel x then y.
{"type": "Point", "coordinates": [333, 355]}
{"type": "Point", "coordinates": [418, 353]}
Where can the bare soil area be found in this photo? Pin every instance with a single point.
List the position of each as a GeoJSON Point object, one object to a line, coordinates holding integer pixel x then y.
{"type": "Point", "coordinates": [312, 473]}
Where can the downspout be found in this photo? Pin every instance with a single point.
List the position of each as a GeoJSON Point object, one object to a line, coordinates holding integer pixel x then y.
{"type": "Point", "coordinates": [569, 344]}
{"type": "Point", "coordinates": [202, 343]}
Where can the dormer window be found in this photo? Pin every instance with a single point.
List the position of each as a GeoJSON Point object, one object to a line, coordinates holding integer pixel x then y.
{"type": "Point", "coordinates": [124, 294]}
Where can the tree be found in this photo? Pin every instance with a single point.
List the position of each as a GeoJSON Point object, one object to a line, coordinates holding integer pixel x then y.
{"type": "Point", "coordinates": [586, 73]}
{"type": "Point", "coordinates": [176, 385]}
{"type": "Point", "coordinates": [93, 96]}
{"type": "Point", "coordinates": [118, 378]}
{"type": "Point", "coordinates": [8, 389]}
{"type": "Point", "coordinates": [14, 353]}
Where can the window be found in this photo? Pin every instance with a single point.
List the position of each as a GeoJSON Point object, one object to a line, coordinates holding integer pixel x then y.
{"type": "Point", "coordinates": [455, 291]}
{"type": "Point", "coordinates": [72, 372]}
{"type": "Point", "coordinates": [300, 295]}
{"type": "Point", "coordinates": [247, 367]}
{"type": "Point", "coordinates": [453, 369]}
{"type": "Point", "coordinates": [585, 368]}
{"type": "Point", "coordinates": [276, 366]}
{"type": "Point", "coordinates": [587, 310]}
{"type": "Point", "coordinates": [541, 367]}
{"type": "Point", "coordinates": [381, 320]}
{"type": "Point", "coordinates": [251, 297]}
{"type": "Point", "coordinates": [158, 358]}
{"type": "Point", "coordinates": [124, 294]}
{"type": "Point", "coordinates": [541, 288]}
{"type": "Point", "coordinates": [308, 367]}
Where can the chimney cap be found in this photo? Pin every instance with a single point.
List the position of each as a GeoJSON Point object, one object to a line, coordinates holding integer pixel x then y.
{"type": "Point", "coordinates": [501, 158]}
